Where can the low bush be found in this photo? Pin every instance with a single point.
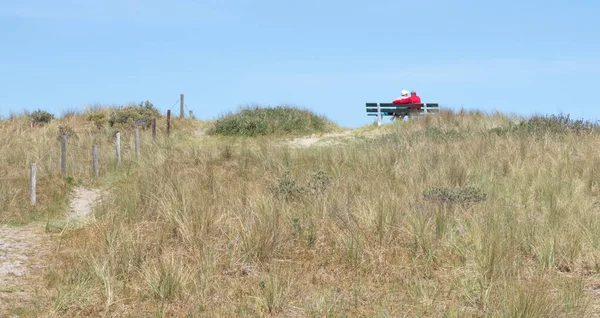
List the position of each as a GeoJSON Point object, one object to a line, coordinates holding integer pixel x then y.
{"type": "Point", "coordinates": [438, 134]}
{"type": "Point", "coordinates": [288, 188]}
{"type": "Point", "coordinates": [40, 117]}
{"type": "Point", "coordinates": [133, 115]}
{"type": "Point", "coordinates": [66, 130]}
{"type": "Point", "coordinates": [99, 118]}
{"type": "Point", "coordinates": [270, 121]}
{"type": "Point", "coordinates": [550, 124]}
{"type": "Point", "coordinates": [455, 195]}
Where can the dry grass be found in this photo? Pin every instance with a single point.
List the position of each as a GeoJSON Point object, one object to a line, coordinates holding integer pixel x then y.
{"type": "Point", "coordinates": [253, 227]}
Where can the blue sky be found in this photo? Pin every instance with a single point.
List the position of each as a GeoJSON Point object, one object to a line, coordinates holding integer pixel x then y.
{"type": "Point", "coordinates": [522, 57]}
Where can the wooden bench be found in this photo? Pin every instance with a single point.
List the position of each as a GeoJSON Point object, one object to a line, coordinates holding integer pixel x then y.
{"type": "Point", "coordinates": [390, 109]}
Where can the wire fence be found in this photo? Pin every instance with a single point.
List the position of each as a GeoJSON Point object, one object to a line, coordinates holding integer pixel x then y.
{"type": "Point", "coordinates": [175, 104]}
{"type": "Point", "coordinates": [16, 174]}
{"type": "Point", "coordinates": [77, 149]}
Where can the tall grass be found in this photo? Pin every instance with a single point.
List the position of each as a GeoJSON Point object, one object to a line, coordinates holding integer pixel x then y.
{"type": "Point", "coordinates": [439, 216]}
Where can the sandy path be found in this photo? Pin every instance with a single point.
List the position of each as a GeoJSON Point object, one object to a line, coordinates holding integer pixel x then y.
{"type": "Point", "coordinates": [322, 140]}
{"type": "Point", "coordinates": [81, 205]}
{"type": "Point", "coordinates": [336, 138]}
{"type": "Point", "coordinates": [26, 254]}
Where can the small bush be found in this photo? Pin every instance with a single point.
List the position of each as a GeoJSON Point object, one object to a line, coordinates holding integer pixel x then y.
{"type": "Point", "coordinates": [441, 135]}
{"type": "Point", "coordinates": [552, 124]}
{"type": "Point", "coordinates": [287, 188]}
{"type": "Point", "coordinates": [270, 121]}
{"type": "Point", "coordinates": [319, 182]}
{"type": "Point", "coordinates": [455, 195]}
{"type": "Point", "coordinates": [557, 124]}
{"type": "Point", "coordinates": [98, 118]}
{"type": "Point", "coordinates": [66, 130]}
{"type": "Point", "coordinates": [133, 115]}
{"type": "Point", "coordinates": [40, 117]}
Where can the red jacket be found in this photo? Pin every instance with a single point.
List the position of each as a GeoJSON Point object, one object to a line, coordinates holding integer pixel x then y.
{"type": "Point", "coordinates": [413, 99]}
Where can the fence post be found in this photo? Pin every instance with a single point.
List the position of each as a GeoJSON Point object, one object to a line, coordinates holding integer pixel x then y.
{"type": "Point", "coordinates": [32, 183]}
{"type": "Point", "coordinates": [181, 104]}
{"type": "Point", "coordinates": [137, 142]}
{"type": "Point", "coordinates": [118, 147]}
{"type": "Point", "coordinates": [168, 122]}
{"type": "Point", "coordinates": [63, 155]}
{"type": "Point", "coordinates": [378, 114]}
{"type": "Point", "coordinates": [191, 114]}
{"type": "Point", "coordinates": [95, 160]}
{"type": "Point", "coordinates": [153, 128]}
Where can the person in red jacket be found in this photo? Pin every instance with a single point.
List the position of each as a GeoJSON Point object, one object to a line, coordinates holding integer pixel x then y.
{"type": "Point", "coordinates": [413, 99]}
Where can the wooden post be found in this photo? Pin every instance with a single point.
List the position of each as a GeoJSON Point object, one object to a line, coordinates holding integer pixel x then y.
{"type": "Point", "coordinates": [32, 183]}
{"type": "Point", "coordinates": [153, 128]}
{"type": "Point", "coordinates": [118, 147]}
{"type": "Point", "coordinates": [137, 142]}
{"type": "Point", "coordinates": [63, 155]}
{"type": "Point", "coordinates": [191, 114]}
{"type": "Point", "coordinates": [378, 114]}
{"type": "Point", "coordinates": [181, 104]}
{"type": "Point", "coordinates": [168, 122]}
{"type": "Point", "coordinates": [95, 160]}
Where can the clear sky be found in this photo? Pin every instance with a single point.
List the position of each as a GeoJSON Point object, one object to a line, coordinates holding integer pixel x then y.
{"type": "Point", "coordinates": [522, 57]}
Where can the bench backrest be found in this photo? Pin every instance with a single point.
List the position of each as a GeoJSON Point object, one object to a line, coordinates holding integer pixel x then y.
{"type": "Point", "coordinates": [389, 109]}
{"type": "Point", "coordinates": [387, 105]}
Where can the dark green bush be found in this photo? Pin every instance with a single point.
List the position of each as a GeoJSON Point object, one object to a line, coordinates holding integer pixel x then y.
{"type": "Point", "coordinates": [287, 188]}
{"type": "Point", "coordinates": [269, 121]}
{"type": "Point", "coordinates": [454, 195]}
{"type": "Point", "coordinates": [40, 117]}
{"type": "Point", "coordinates": [133, 115]}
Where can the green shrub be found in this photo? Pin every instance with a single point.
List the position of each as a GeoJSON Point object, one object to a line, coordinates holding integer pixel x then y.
{"type": "Point", "coordinates": [40, 117]}
{"type": "Point", "coordinates": [99, 118]}
{"type": "Point", "coordinates": [66, 130]}
{"type": "Point", "coordinates": [270, 121]}
{"type": "Point", "coordinates": [438, 134]}
{"type": "Point", "coordinates": [133, 115]}
{"type": "Point", "coordinates": [319, 182]}
{"type": "Point", "coordinates": [560, 123]}
{"type": "Point", "coordinates": [287, 188]}
{"type": "Point", "coordinates": [550, 124]}
{"type": "Point", "coordinates": [454, 195]}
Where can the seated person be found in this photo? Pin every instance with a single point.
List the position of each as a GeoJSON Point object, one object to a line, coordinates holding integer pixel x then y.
{"type": "Point", "coordinates": [413, 99]}
{"type": "Point", "coordinates": [404, 95]}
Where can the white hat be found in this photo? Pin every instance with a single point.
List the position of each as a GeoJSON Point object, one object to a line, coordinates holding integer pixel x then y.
{"type": "Point", "coordinates": [404, 92]}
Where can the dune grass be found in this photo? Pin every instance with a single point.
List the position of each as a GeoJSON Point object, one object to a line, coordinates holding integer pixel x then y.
{"type": "Point", "coordinates": [457, 214]}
